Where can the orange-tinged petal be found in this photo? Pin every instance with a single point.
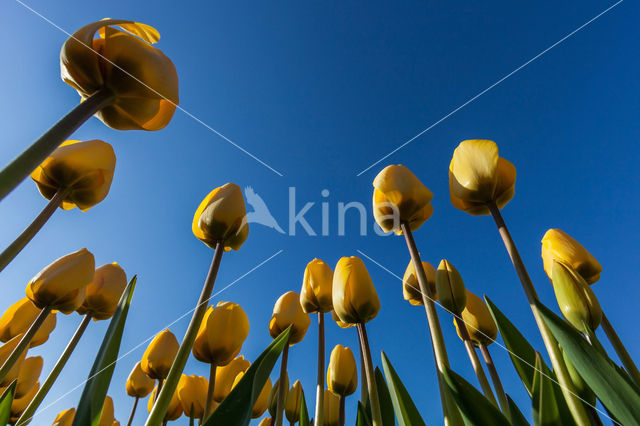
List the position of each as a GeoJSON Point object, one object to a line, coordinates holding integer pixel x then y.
{"type": "Point", "coordinates": [18, 318]}
{"type": "Point", "coordinates": [411, 288]}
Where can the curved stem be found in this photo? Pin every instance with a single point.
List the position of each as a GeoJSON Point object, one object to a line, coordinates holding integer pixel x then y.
{"type": "Point", "coordinates": [212, 386]}
{"type": "Point", "coordinates": [25, 163]}
{"type": "Point", "coordinates": [55, 372]}
{"type": "Point", "coordinates": [495, 378]}
{"type": "Point", "coordinates": [133, 411]}
{"type": "Point", "coordinates": [164, 398]}
{"type": "Point", "coordinates": [376, 415]}
{"type": "Point", "coordinates": [363, 377]}
{"type": "Point", "coordinates": [624, 356]}
{"type": "Point", "coordinates": [282, 385]}
{"type": "Point", "coordinates": [342, 411]}
{"type": "Point", "coordinates": [320, 385]}
{"type": "Point", "coordinates": [30, 231]}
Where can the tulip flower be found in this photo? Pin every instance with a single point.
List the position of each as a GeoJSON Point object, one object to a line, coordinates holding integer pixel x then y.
{"type": "Point", "coordinates": [104, 292]}
{"type": "Point", "coordinates": [28, 376]}
{"type": "Point", "coordinates": [267, 421]}
{"type": "Point", "coordinates": [159, 355]}
{"type": "Point", "coordinates": [65, 418]}
{"type": "Point", "coordinates": [106, 416]}
{"type": "Point", "coordinates": [355, 299]}
{"type": "Point", "coordinates": [18, 318]}
{"type": "Point", "coordinates": [342, 374]}
{"type": "Point", "coordinates": [559, 246]}
{"type": "Point", "coordinates": [174, 410]}
{"type": "Point", "coordinates": [226, 375]}
{"type": "Point", "coordinates": [399, 197]}
{"type": "Point", "coordinates": [192, 393]}
{"type": "Point", "coordinates": [19, 404]}
{"type": "Point", "coordinates": [332, 409]}
{"type": "Point", "coordinates": [262, 402]}
{"type": "Point", "coordinates": [411, 288]}
{"type": "Point", "coordinates": [6, 351]}
{"type": "Point", "coordinates": [138, 386]}
{"type": "Point", "coordinates": [577, 301]}
{"type": "Point", "coordinates": [292, 402]}
{"type": "Point", "coordinates": [273, 395]}
{"type": "Point", "coordinates": [450, 288]}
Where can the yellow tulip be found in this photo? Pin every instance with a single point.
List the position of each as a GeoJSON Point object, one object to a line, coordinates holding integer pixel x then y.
{"type": "Point", "coordinates": [103, 293]}
{"type": "Point", "coordinates": [331, 409]}
{"type": "Point", "coordinates": [29, 374]}
{"type": "Point", "coordinates": [226, 375]}
{"type": "Point", "coordinates": [292, 402]}
{"type": "Point", "coordinates": [341, 324]}
{"type": "Point", "coordinates": [65, 418]}
{"type": "Point", "coordinates": [450, 288]}
{"type": "Point", "coordinates": [478, 321]}
{"type": "Point", "coordinates": [106, 417]}
{"type": "Point", "coordinates": [411, 287]}
{"type": "Point", "coordinates": [342, 373]}
{"type": "Point", "coordinates": [138, 383]}
{"type": "Point", "coordinates": [62, 284]}
{"type": "Point", "coordinates": [192, 393]}
{"type": "Point", "coordinates": [288, 312]}
{"type": "Point", "coordinates": [273, 396]}
{"type": "Point", "coordinates": [222, 332]}
{"type": "Point", "coordinates": [143, 80]}
{"type": "Point", "coordinates": [20, 404]}
{"type": "Point", "coordinates": [115, 423]}
{"type": "Point", "coordinates": [222, 217]}
{"type": "Point", "coordinates": [159, 355]}
{"type": "Point", "coordinates": [267, 421]}
{"type": "Point", "coordinates": [18, 318]}
{"type": "Point", "coordinates": [262, 402]}
{"type": "Point", "coordinates": [84, 169]}
{"type": "Point", "coordinates": [478, 176]}
{"type": "Point", "coordinates": [560, 246]}
{"type": "Point", "coordinates": [577, 301]}
{"type": "Point", "coordinates": [174, 411]}
{"type": "Point", "coordinates": [354, 297]}
{"type": "Point", "coordinates": [399, 196]}
{"type": "Point", "coordinates": [5, 350]}
{"type": "Point", "coordinates": [315, 295]}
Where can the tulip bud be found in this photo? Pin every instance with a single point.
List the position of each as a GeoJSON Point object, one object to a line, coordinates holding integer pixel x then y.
{"type": "Point", "coordinates": [106, 417]}
{"type": "Point", "coordinates": [478, 176]}
{"type": "Point", "coordinates": [559, 246]}
{"type": "Point", "coordinates": [273, 396]}
{"type": "Point", "coordinates": [222, 216]}
{"type": "Point", "coordinates": [138, 383]}
{"type": "Point", "coordinates": [411, 287]}
{"type": "Point", "coordinates": [399, 196]}
{"type": "Point", "coordinates": [18, 318]}
{"type": "Point", "coordinates": [192, 393]}
{"type": "Point", "coordinates": [315, 295]}
{"type": "Point", "coordinates": [450, 288]}
{"type": "Point", "coordinates": [354, 297]}
{"type": "Point", "coordinates": [577, 301]}
{"type": "Point", "coordinates": [158, 358]}
{"type": "Point", "coordinates": [226, 375]}
{"type": "Point", "coordinates": [62, 284]}
{"type": "Point", "coordinates": [174, 410]}
{"type": "Point", "coordinates": [103, 293]}
{"type": "Point", "coordinates": [143, 80]}
{"type": "Point", "coordinates": [292, 402]}
{"type": "Point", "coordinates": [5, 350]}
{"type": "Point", "coordinates": [267, 421]}
{"type": "Point", "coordinates": [84, 169]}
{"type": "Point", "coordinates": [340, 323]}
{"type": "Point", "coordinates": [288, 312]}
{"type": "Point", "coordinates": [222, 332]}
{"type": "Point", "coordinates": [20, 404]}
{"type": "Point", "coordinates": [331, 409]}
{"type": "Point", "coordinates": [65, 418]}
{"type": "Point", "coordinates": [478, 321]}
{"type": "Point", "coordinates": [342, 373]}
{"type": "Point", "coordinates": [29, 374]}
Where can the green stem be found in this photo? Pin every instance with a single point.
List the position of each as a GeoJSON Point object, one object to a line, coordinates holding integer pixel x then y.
{"type": "Point", "coordinates": [16, 171]}
{"type": "Point", "coordinates": [55, 372]}
{"type": "Point", "coordinates": [158, 389]}
{"type": "Point", "coordinates": [282, 385]}
{"type": "Point", "coordinates": [164, 398]}
{"type": "Point", "coordinates": [24, 343]}
{"type": "Point", "coordinates": [568, 389]}
{"type": "Point", "coordinates": [133, 411]}
{"type": "Point", "coordinates": [363, 379]}
{"type": "Point", "coordinates": [495, 378]}
{"type": "Point", "coordinates": [620, 349]}
{"type": "Point", "coordinates": [320, 385]}
{"type": "Point", "coordinates": [210, 391]}
{"type": "Point", "coordinates": [376, 415]}
{"type": "Point", "coordinates": [30, 231]}
{"type": "Point", "coordinates": [342, 417]}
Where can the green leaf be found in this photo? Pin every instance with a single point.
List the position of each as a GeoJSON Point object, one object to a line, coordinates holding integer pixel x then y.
{"type": "Point", "coordinates": [544, 406]}
{"type": "Point", "coordinates": [304, 413]}
{"type": "Point", "coordinates": [95, 390]}
{"type": "Point", "coordinates": [404, 408]}
{"type": "Point", "coordinates": [362, 418]}
{"type": "Point", "coordinates": [474, 407]}
{"type": "Point", "coordinates": [236, 408]}
{"type": "Point", "coordinates": [517, 418]}
{"type": "Point", "coordinates": [386, 406]}
{"type": "Point", "coordinates": [597, 370]}
{"type": "Point", "coordinates": [5, 403]}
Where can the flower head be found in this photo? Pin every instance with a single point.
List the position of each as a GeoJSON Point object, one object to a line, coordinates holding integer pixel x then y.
{"type": "Point", "coordinates": [355, 299]}
{"type": "Point", "coordinates": [288, 312]}
{"type": "Point", "coordinates": [159, 355]}
{"type": "Point", "coordinates": [557, 245]}
{"type": "Point", "coordinates": [226, 375]}
{"type": "Point", "coordinates": [192, 393]}
{"type": "Point", "coordinates": [222, 332]}
{"type": "Point", "coordinates": [104, 292]}
{"type": "Point", "coordinates": [138, 383]}
{"type": "Point", "coordinates": [342, 373]}
{"type": "Point", "coordinates": [18, 318]}
{"type": "Point", "coordinates": [411, 287]}
{"type": "Point", "coordinates": [478, 321]}
{"type": "Point", "coordinates": [315, 295]}
{"type": "Point", "coordinates": [450, 288]}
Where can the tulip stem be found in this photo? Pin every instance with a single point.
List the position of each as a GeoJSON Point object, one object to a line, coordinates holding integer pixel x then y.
{"type": "Point", "coordinates": [24, 343]}
{"type": "Point", "coordinates": [55, 372]}
{"type": "Point", "coordinates": [282, 386]}
{"type": "Point", "coordinates": [576, 407]}
{"type": "Point", "coordinates": [363, 379]}
{"type": "Point", "coordinates": [133, 411]}
{"type": "Point", "coordinates": [495, 378]}
{"type": "Point", "coordinates": [16, 171]}
{"type": "Point", "coordinates": [475, 361]}
{"type": "Point", "coordinates": [30, 231]}
{"type": "Point", "coordinates": [212, 386]}
{"type": "Point", "coordinates": [376, 415]}
{"type": "Point", "coordinates": [320, 386]}
{"type": "Point", "coordinates": [620, 349]}
{"type": "Point", "coordinates": [191, 418]}
{"type": "Point", "coordinates": [342, 411]}
{"type": "Point", "coordinates": [158, 389]}
{"type": "Point", "coordinates": [164, 397]}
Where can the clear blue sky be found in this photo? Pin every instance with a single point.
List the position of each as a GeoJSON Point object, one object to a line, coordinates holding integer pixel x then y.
{"type": "Point", "coordinates": [320, 90]}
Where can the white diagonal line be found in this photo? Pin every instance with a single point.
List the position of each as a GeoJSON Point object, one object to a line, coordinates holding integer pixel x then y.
{"type": "Point", "coordinates": [26, 6]}
{"type": "Point", "coordinates": [490, 87]}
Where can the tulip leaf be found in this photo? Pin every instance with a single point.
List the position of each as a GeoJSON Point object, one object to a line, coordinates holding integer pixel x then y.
{"type": "Point", "coordinates": [517, 418]}
{"type": "Point", "coordinates": [386, 405]}
{"type": "Point", "coordinates": [304, 413]}
{"type": "Point", "coordinates": [362, 418]}
{"type": "Point", "coordinates": [404, 408]}
{"type": "Point", "coordinates": [544, 406]}
{"type": "Point", "coordinates": [95, 390]}
{"type": "Point", "coordinates": [236, 408]}
{"type": "Point", "coordinates": [475, 408]}
{"type": "Point", "coordinates": [598, 371]}
{"type": "Point", "coordinates": [5, 403]}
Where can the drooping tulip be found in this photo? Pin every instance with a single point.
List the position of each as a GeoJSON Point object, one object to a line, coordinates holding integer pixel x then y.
{"type": "Point", "coordinates": [226, 375]}
{"type": "Point", "coordinates": [331, 409]}
{"type": "Point", "coordinates": [222, 332]}
{"type": "Point", "coordinates": [192, 393]}
{"type": "Point", "coordinates": [342, 374]}
{"type": "Point", "coordinates": [288, 312]}
{"type": "Point", "coordinates": [577, 301]}
{"type": "Point", "coordinates": [159, 355]}
{"type": "Point", "coordinates": [273, 396]}
{"type": "Point", "coordinates": [478, 176]}
{"type": "Point", "coordinates": [106, 417]}
{"type": "Point", "coordinates": [5, 350]}
{"type": "Point", "coordinates": [103, 293]}
{"type": "Point", "coordinates": [20, 404]}
{"type": "Point", "coordinates": [84, 169]}
{"type": "Point", "coordinates": [315, 295]}
{"type": "Point", "coordinates": [292, 402]}
{"type": "Point", "coordinates": [355, 299]}
{"type": "Point", "coordinates": [65, 418]}
{"type": "Point", "coordinates": [174, 410]}
{"type": "Point", "coordinates": [559, 246]}
{"type": "Point", "coordinates": [450, 288]}
{"type": "Point", "coordinates": [411, 288]}
{"type": "Point", "coordinates": [399, 196]}
{"type": "Point", "coordinates": [18, 318]}
{"type": "Point", "coordinates": [29, 374]}
{"type": "Point", "coordinates": [123, 62]}
{"type": "Point", "coordinates": [138, 383]}
{"type": "Point", "coordinates": [478, 321]}
{"type": "Point", "coordinates": [222, 217]}
{"type": "Point", "coordinates": [61, 285]}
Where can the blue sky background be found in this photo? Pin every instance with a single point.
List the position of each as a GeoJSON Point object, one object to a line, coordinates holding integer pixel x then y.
{"type": "Point", "coordinates": [320, 90]}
